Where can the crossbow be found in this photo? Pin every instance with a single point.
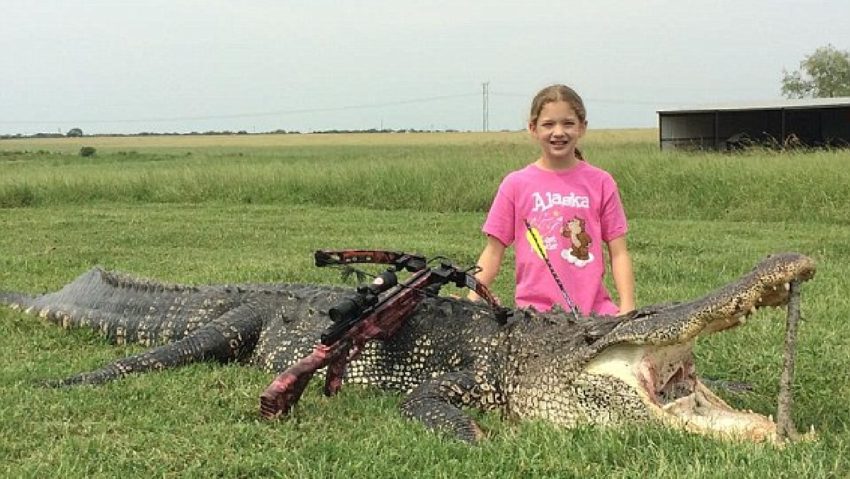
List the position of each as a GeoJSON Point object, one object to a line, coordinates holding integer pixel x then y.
{"type": "Point", "coordinates": [374, 311]}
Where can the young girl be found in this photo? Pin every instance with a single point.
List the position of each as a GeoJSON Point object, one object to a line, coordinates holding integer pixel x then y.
{"type": "Point", "coordinates": [562, 208]}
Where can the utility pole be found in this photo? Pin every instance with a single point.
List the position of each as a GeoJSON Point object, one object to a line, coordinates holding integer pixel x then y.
{"type": "Point", "coordinates": [485, 93]}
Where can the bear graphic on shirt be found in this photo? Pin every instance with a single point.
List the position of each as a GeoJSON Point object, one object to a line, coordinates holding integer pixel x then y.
{"type": "Point", "coordinates": [579, 251]}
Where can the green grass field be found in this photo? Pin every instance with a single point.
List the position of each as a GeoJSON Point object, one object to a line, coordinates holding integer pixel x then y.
{"type": "Point", "coordinates": [254, 208]}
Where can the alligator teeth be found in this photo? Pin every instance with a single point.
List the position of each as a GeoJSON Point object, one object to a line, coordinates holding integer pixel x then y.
{"type": "Point", "coordinates": [742, 319]}
{"type": "Point", "coordinates": [753, 310]}
{"type": "Point", "coordinates": [787, 286]}
{"type": "Point", "coordinates": [770, 417]}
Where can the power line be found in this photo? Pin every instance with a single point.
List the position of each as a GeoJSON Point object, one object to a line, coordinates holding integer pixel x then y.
{"type": "Point", "coordinates": [251, 115]}
{"type": "Point", "coordinates": [618, 101]}
{"type": "Point", "coordinates": [485, 92]}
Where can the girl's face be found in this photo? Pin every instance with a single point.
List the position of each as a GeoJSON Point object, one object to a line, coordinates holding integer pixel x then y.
{"type": "Point", "coordinates": [558, 130]}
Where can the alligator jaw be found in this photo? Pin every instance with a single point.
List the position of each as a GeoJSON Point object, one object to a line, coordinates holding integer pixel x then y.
{"type": "Point", "coordinates": [768, 296]}
{"type": "Point", "coordinates": [654, 354]}
{"type": "Point", "coordinates": [721, 309]}
{"type": "Point", "coordinates": [665, 379]}
{"type": "Point", "coordinates": [704, 412]}
{"type": "Point", "coordinates": [768, 285]}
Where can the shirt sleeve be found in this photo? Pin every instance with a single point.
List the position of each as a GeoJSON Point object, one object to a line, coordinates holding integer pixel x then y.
{"type": "Point", "coordinates": [614, 223]}
{"type": "Point", "coordinates": [500, 218]}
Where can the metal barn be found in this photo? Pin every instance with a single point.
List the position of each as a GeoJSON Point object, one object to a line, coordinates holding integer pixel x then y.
{"type": "Point", "coordinates": [806, 122]}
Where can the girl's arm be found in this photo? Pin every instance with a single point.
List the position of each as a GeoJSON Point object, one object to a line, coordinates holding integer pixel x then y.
{"type": "Point", "coordinates": [490, 262]}
{"type": "Point", "coordinates": [624, 277]}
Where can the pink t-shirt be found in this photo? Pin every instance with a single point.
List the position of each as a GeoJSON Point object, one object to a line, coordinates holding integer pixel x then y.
{"type": "Point", "coordinates": [573, 213]}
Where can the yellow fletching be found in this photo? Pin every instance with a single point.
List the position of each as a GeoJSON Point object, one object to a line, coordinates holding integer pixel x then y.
{"type": "Point", "coordinates": [536, 241]}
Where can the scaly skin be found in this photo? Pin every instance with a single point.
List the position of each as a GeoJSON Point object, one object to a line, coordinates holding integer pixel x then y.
{"type": "Point", "coordinates": [450, 354]}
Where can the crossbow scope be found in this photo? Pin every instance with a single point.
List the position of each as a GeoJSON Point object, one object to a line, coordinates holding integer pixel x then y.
{"type": "Point", "coordinates": [365, 297]}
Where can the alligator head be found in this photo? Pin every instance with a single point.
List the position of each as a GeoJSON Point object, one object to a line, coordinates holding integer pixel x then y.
{"type": "Point", "coordinates": [643, 367]}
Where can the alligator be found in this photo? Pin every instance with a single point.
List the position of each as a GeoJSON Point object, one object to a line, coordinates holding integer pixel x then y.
{"type": "Point", "coordinates": [450, 354]}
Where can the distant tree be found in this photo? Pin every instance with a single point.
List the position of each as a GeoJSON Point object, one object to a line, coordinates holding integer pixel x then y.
{"type": "Point", "coordinates": [823, 74]}
{"type": "Point", "coordinates": [74, 132]}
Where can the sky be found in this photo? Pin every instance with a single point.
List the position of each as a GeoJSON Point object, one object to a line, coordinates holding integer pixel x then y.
{"type": "Point", "coordinates": [180, 66]}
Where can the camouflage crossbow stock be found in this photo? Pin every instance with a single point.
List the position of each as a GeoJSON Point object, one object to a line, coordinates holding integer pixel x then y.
{"type": "Point", "coordinates": [374, 311]}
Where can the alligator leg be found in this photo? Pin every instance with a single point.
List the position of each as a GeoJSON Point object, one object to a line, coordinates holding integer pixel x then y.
{"type": "Point", "coordinates": [437, 403]}
{"type": "Point", "coordinates": [226, 338]}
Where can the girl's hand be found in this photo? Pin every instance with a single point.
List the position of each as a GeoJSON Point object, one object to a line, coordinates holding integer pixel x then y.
{"type": "Point", "coordinates": [475, 298]}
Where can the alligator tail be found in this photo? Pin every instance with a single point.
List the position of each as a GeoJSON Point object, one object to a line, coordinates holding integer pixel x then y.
{"type": "Point", "coordinates": [16, 300]}
{"type": "Point", "coordinates": [128, 310]}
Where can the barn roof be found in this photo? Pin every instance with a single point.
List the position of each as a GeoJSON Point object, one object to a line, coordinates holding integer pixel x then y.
{"type": "Point", "coordinates": [795, 104]}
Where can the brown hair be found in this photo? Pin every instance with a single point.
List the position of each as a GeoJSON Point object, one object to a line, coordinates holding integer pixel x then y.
{"type": "Point", "coordinates": [558, 92]}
